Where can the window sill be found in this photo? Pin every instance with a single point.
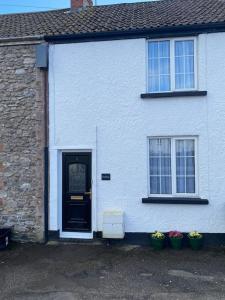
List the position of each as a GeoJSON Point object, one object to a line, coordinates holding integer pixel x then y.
{"type": "Point", "coordinates": [174, 200]}
{"type": "Point", "coordinates": [174, 94]}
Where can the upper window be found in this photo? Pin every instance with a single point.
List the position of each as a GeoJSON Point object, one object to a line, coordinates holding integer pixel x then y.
{"type": "Point", "coordinates": [172, 166]}
{"type": "Point", "coordinates": [171, 65]}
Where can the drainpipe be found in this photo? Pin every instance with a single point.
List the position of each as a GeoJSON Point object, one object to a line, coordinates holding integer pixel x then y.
{"type": "Point", "coordinates": [46, 159]}
{"type": "Point", "coordinates": [42, 64]}
{"type": "Point", "coordinates": [46, 189]}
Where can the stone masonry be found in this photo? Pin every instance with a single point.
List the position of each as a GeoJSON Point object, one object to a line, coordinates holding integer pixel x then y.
{"type": "Point", "coordinates": [21, 143]}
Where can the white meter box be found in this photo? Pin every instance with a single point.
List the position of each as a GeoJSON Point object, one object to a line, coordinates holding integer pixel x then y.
{"type": "Point", "coordinates": [113, 224]}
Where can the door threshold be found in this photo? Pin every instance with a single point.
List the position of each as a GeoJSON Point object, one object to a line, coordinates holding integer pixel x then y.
{"type": "Point", "coordinates": [76, 235]}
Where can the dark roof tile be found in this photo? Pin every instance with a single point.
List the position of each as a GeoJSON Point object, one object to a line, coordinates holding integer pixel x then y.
{"type": "Point", "coordinates": [110, 18]}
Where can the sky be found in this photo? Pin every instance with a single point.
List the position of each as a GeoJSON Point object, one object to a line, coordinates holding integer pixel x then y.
{"type": "Point", "coordinates": [17, 6]}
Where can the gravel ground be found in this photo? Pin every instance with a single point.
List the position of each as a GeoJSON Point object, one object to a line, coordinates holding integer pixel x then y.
{"type": "Point", "coordinates": [97, 271]}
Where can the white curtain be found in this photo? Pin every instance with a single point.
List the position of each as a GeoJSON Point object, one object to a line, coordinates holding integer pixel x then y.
{"type": "Point", "coordinates": [159, 66]}
{"type": "Point", "coordinates": [184, 64]}
{"type": "Point", "coordinates": [185, 166]}
{"type": "Point", "coordinates": [160, 166]}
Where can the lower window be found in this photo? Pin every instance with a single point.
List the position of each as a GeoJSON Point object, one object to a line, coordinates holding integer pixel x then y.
{"type": "Point", "coordinates": [172, 166]}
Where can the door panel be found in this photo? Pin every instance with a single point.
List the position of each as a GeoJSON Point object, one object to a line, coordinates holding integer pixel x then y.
{"type": "Point", "coordinates": [76, 192]}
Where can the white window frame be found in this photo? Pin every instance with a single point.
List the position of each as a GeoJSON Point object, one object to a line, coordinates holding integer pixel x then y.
{"type": "Point", "coordinates": [172, 64]}
{"type": "Point", "coordinates": [173, 167]}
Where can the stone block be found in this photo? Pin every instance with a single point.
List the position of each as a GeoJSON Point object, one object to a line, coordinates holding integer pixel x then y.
{"type": "Point", "coordinates": [2, 168]}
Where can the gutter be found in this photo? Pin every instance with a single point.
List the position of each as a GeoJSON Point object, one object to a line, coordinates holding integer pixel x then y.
{"type": "Point", "coordinates": [174, 31]}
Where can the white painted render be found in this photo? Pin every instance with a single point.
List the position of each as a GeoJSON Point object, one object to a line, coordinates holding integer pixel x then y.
{"type": "Point", "coordinates": [95, 105]}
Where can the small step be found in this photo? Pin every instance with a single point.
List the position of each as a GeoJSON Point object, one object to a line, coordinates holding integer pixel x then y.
{"type": "Point", "coordinates": [76, 241]}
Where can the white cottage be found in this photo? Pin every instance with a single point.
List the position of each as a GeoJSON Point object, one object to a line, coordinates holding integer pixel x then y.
{"type": "Point", "coordinates": [136, 126]}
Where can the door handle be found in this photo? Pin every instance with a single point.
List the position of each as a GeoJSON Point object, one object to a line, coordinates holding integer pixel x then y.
{"type": "Point", "coordinates": [87, 193]}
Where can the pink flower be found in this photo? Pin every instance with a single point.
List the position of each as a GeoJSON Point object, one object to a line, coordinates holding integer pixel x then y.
{"type": "Point", "coordinates": [175, 234]}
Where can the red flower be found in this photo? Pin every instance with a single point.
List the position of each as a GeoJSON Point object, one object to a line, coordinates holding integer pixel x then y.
{"type": "Point", "coordinates": [175, 234]}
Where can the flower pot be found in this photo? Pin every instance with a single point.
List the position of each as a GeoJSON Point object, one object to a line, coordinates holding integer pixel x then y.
{"type": "Point", "coordinates": [176, 243]}
{"type": "Point", "coordinates": [157, 244]}
{"type": "Point", "coordinates": [196, 243]}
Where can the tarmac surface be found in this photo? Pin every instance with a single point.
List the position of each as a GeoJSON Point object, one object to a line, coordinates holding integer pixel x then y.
{"type": "Point", "coordinates": [97, 271]}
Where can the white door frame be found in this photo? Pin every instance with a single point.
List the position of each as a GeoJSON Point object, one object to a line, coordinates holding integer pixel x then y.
{"type": "Point", "coordinates": [77, 235]}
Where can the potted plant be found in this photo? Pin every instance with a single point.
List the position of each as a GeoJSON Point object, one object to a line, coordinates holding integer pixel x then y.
{"type": "Point", "coordinates": [158, 240]}
{"type": "Point", "coordinates": [176, 238]}
{"type": "Point", "coordinates": [195, 240]}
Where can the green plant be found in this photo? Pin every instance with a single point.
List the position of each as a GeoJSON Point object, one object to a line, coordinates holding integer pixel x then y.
{"type": "Point", "coordinates": [158, 235]}
{"type": "Point", "coordinates": [194, 235]}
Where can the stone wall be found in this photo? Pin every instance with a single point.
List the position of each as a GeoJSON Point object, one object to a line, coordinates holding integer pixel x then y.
{"type": "Point", "coordinates": [21, 142]}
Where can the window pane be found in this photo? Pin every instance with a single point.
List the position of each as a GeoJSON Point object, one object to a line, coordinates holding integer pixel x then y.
{"type": "Point", "coordinates": [164, 66]}
{"type": "Point", "coordinates": [164, 83]}
{"type": "Point", "coordinates": [153, 50]}
{"type": "Point", "coordinates": [180, 184]}
{"type": "Point", "coordinates": [189, 79]}
{"type": "Point", "coordinates": [164, 49]}
{"type": "Point", "coordinates": [154, 146]}
{"type": "Point", "coordinates": [190, 185]}
{"type": "Point", "coordinates": [165, 146]}
{"type": "Point", "coordinates": [184, 65]}
{"type": "Point", "coordinates": [185, 166]}
{"type": "Point", "coordinates": [155, 166]}
{"type": "Point", "coordinates": [160, 166]}
{"type": "Point", "coordinates": [179, 81]}
{"type": "Point", "coordinates": [180, 166]}
{"type": "Point", "coordinates": [179, 65]}
{"type": "Point", "coordinates": [190, 166]}
{"type": "Point", "coordinates": [190, 147]}
{"type": "Point", "coordinates": [179, 50]}
{"type": "Point", "coordinates": [189, 64]}
{"type": "Point", "coordinates": [159, 66]}
{"type": "Point", "coordinates": [166, 185]}
{"type": "Point", "coordinates": [154, 83]}
{"type": "Point", "coordinates": [166, 166]}
{"type": "Point", "coordinates": [155, 184]}
{"type": "Point", "coordinates": [160, 147]}
{"type": "Point", "coordinates": [154, 66]}
{"type": "Point", "coordinates": [180, 151]}
{"type": "Point", "coordinates": [189, 47]}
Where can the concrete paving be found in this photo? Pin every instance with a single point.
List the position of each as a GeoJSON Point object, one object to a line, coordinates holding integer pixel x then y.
{"type": "Point", "coordinates": [73, 271]}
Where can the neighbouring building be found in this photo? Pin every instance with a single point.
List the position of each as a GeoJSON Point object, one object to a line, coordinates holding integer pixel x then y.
{"type": "Point", "coordinates": [113, 108]}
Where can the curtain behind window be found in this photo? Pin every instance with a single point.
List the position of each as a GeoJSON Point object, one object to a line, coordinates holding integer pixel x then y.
{"type": "Point", "coordinates": [184, 64]}
{"type": "Point", "coordinates": [160, 166]}
{"type": "Point", "coordinates": [185, 166]}
{"type": "Point", "coordinates": [159, 66]}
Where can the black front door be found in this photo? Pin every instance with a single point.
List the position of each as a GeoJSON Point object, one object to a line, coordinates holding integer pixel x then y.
{"type": "Point", "coordinates": [76, 192]}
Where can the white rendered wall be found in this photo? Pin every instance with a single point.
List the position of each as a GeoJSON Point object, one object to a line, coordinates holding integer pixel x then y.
{"type": "Point", "coordinates": [95, 104]}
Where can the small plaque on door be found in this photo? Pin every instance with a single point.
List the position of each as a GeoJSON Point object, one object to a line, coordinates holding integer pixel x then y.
{"type": "Point", "coordinates": [78, 198]}
{"type": "Point", "coordinates": [106, 176]}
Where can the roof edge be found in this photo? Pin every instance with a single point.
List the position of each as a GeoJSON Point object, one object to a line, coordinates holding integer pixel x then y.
{"type": "Point", "coordinates": [22, 39]}
{"type": "Point", "coordinates": [138, 33]}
